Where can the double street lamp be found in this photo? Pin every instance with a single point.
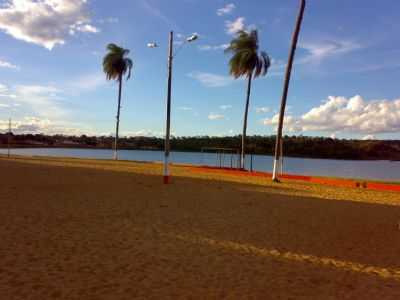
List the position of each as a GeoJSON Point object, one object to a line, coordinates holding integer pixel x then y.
{"type": "Point", "coordinates": [171, 56]}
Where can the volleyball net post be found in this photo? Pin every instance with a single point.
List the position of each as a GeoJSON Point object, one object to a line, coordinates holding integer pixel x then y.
{"type": "Point", "coordinates": [224, 157]}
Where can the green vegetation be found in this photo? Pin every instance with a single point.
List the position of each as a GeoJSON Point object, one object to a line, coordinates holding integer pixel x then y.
{"type": "Point", "coordinates": [115, 66]}
{"type": "Point", "coordinates": [246, 61]}
{"type": "Point", "coordinates": [300, 146]}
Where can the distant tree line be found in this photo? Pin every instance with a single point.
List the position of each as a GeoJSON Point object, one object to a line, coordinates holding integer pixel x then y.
{"type": "Point", "coordinates": [295, 146]}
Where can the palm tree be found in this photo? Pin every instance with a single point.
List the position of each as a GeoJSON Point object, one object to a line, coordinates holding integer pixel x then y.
{"type": "Point", "coordinates": [115, 65]}
{"type": "Point", "coordinates": [247, 61]}
{"type": "Point", "coordinates": [289, 66]}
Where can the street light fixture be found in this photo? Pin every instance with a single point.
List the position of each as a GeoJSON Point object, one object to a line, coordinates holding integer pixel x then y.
{"type": "Point", "coordinates": [152, 45]}
{"type": "Point", "coordinates": [171, 55]}
{"type": "Point", "coordinates": [192, 38]}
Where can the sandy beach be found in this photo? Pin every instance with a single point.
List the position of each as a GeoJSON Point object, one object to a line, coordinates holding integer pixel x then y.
{"type": "Point", "coordinates": [82, 229]}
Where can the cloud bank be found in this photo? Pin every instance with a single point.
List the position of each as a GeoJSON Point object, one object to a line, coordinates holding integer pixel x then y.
{"type": "Point", "coordinates": [232, 27]}
{"type": "Point", "coordinates": [211, 80]}
{"type": "Point", "coordinates": [35, 125]}
{"type": "Point", "coordinates": [227, 9]}
{"type": "Point", "coordinates": [8, 65]}
{"type": "Point", "coordinates": [346, 115]}
{"type": "Point", "coordinates": [45, 22]}
{"type": "Point", "coordinates": [213, 117]}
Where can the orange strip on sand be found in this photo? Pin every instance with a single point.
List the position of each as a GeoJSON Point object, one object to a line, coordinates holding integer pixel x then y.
{"type": "Point", "coordinates": [319, 180]}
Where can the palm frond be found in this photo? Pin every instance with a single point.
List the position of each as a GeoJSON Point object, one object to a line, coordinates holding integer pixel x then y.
{"type": "Point", "coordinates": [245, 58]}
{"type": "Point", "coordinates": [129, 66]}
{"type": "Point", "coordinates": [116, 63]}
{"type": "Point", "coordinates": [266, 62]}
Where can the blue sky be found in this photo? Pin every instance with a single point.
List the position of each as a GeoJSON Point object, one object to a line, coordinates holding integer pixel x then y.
{"type": "Point", "coordinates": [344, 83]}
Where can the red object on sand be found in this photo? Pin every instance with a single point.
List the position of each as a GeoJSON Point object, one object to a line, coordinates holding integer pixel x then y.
{"type": "Point", "coordinates": [320, 180]}
{"type": "Point", "coordinates": [166, 179]}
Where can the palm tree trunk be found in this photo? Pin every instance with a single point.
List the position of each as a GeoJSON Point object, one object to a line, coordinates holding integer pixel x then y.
{"type": "Point", "coordinates": [118, 114]}
{"type": "Point", "coordinates": [246, 112]}
{"type": "Point", "coordinates": [286, 88]}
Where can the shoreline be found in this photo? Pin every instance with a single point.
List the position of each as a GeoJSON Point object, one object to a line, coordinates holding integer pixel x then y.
{"type": "Point", "coordinates": [324, 180]}
{"type": "Point", "coordinates": [4, 147]}
{"type": "Point", "coordinates": [263, 173]}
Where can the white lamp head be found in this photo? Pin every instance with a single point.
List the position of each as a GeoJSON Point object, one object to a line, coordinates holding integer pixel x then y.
{"type": "Point", "coordinates": [152, 45]}
{"type": "Point", "coordinates": [192, 38]}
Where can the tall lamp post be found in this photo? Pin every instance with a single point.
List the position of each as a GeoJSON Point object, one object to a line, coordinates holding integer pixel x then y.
{"type": "Point", "coordinates": [9, 138]}
{"type": "Point", "coordinates": [171, 56]}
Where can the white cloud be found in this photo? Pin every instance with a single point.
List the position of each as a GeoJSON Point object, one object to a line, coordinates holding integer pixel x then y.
{"type": "Point", "coordinates": [87, 82]}
{"type": "Point", "coordinates": [83, 28]}
{"type": "Point", "coordinates": [369, 137]}
{"type": "Point", "coordinates": [6, 64]}
{"type": "Point", "coordinates": [3, 88]}
{"type": "Point", "coordinates": [215, 47]}
{"type": "Point", "coordinates": [213, 116]}
{"type": "Point", "coordinates": [45, 22]}
{"type": "Point", "coordinates": [5, 93]}
{"type": "Point", "coordinates": [225, 107]}
{"type": "Point", "coordinates": [261, 110]}
{"type": "Point", "coordinates": [211, 80]}
{"type": "Point", "coordinates": [349, 115]}
{"type": "Point", "coordinates": [185, 108]}
{"type": "Point", "coordinates": [227, 9]}
{"type": "Point", "coordinates": [48, 101]}
{"type": "Point", "coordinates": [44, 101]}
{"type": "Point", "coordinates": [318, 51]}
{"type": "Point", "coordinates": [290, 123]}
{"type": "Point", "coordinates": [36, 125]}
{"type": "Point", "coordinates": [232, 27]}
{"type": "Point", "coordinates": [143, 132]}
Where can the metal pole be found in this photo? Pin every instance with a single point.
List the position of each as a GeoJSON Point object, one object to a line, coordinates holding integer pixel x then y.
{"type": "Point", "coordinates": [281, 164]}
{"type": "Point", "coordinates": [9, 137]}
{"type": "Point", "coordinates": [117, 118]}
{"type": "Point", "coordinates": [295, 38]}
{"type": "Point", "coordinates": [168, 125]}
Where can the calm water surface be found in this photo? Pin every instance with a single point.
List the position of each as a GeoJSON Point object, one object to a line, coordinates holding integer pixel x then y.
{"type": "Point", "coordinates": [383, 170]}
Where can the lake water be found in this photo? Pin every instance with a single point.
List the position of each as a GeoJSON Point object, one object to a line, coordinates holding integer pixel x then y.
{"type": "Point", "coordinates": [382, 170]}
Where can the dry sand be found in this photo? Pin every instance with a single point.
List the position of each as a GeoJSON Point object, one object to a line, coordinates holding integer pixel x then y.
{"type": "Point", "coordinates": [75, 229]}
